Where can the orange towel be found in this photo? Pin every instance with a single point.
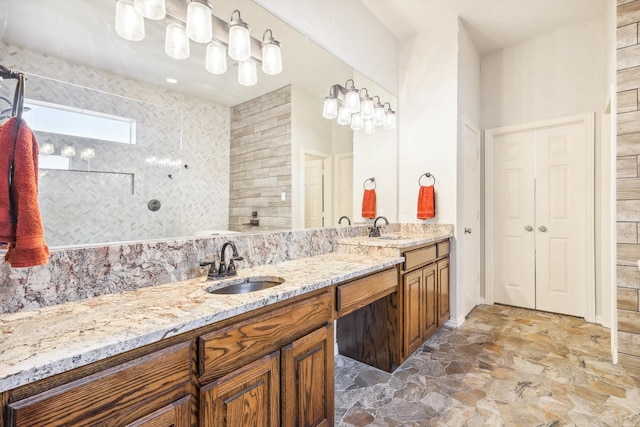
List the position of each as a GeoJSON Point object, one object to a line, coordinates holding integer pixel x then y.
{"type": "Point", "coordinates": [426, 202]}
{"type": "Point", "coordinates": [369, 204]}
{"type": "Point", "coordinates": [19, 202]}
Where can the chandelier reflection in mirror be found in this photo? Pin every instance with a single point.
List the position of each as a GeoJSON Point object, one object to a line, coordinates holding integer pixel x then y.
{"type": "Point", "coordinates": [355, 107]}
{"type": "Point", "coordinates": [193, 20]}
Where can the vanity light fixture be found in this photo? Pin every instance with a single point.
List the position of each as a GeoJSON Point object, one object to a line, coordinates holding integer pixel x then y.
{"type": "Point", "coordinates": [390, 120]}
{"type": "Point", "coordinates": [47, 149]}
{"type": "Point", "coordinates": [239, 38]}
{"type": "Point", "coordinates": [199, 25]}
{"type": "Point", "coordinates": [271, 54]}
{"type": "Point", "coordinates": [151, 9]}
{"type": "Point", "coordinates": [216, 59]}
{"type": "Point", "coordinates": [366, 104]}
{"type": "Point", "coordinates": [87, 153]}
{"type": "Point", "coordinates": [202, 26]}
{"type": "Point", "coordinates": [68, 151]}
{"type": "Point", "coordinates": [129, 23]}
{"type": "Point", "coordinates": [176, 43]}
{"type": "Point", "coordinates": [247, 74]}
{"type": "Point", "coordinates": [357, 108]}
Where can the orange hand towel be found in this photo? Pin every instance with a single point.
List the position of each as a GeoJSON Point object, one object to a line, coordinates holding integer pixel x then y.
{"type": "Point", "coordinates": [8, 132]}
{"type": "Point", "coordinates": [27, 246]}
{"type": "Point", "coordinates": [426, 202]}
{"type": "Point", "coordinates": [369, 204]}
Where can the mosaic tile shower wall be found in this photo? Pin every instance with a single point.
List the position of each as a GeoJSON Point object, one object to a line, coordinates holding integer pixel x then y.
{"type": "Point", "coordinates": [180, 157]}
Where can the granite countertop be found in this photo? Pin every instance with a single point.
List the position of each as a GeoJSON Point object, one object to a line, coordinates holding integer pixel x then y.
{"type": "Point", "coordinates": [399, 239]}
{"type": "Point", "coordinates": [36, 344]}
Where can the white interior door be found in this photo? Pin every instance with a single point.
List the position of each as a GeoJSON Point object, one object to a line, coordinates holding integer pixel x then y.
{"type": "Point", "coordinates": [313, 193]}
{"type": "Point", "coordinates": [471, 135]}
{"type": "Point", "coordinates": [513, 219]}
{"type": "Point", "coordinates": [561, 222]}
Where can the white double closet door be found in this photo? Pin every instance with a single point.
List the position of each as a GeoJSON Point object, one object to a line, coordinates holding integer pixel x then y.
{"type": "Point", "coordinates": [541, 216]}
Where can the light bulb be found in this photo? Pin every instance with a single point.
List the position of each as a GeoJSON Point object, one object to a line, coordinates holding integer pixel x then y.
{"type": "Point", "coordinates": [369, 127]}
{"type": "Point", "coordinates": [366, 107]}
{"type": "Point", "coordinates": [176, 43]}
{"type": "Point", "coordinates": [47, 149]}
{"type": "Point", "coordinates": [271, 55]}
{"type": "Point", "coordinates": [199, 27]}
{"type": "Point", "coordinates": [247, 73]}
{"type": "Point", "coordinates": [87, 153]}
{"type": "Point", "coordinates": [68, 151]}
{"type": "Point", "coordinates": [378, 115]}
{"type": "Point", "coordinates": [352, 100]}
{"type": "Point", "coordinates": [330, 108]}
{"type": "Point", "coordinates": [356, 121]}
{"type": "Point", "coordinates": [389, 120]}
{"type": "Point", "coordinates": [344, 116]}
{"type": "Point", "coordinates": [151, 9]}
{"type": "Point", "coordinates": [129, 23]}
{"type": "Point", "coordinates": [216, 59]}
{"type": "Point", "coordinates": [239, 39]}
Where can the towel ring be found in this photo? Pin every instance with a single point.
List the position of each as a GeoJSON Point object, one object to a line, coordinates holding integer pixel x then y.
{"type": "Point", "coordinates": [428, 175]}
{"type": "Point", "coordinates": [373, 181]}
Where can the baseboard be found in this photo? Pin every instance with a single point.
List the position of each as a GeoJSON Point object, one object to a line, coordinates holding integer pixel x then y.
{"type": "Point", "coordinates": [454, 323]}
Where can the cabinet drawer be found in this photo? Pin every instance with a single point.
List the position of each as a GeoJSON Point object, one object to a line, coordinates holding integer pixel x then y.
{"type": "Point", "coordinates": [227, 349]}
{"type": "Point", "coordinates": [116, 396]}
{"type": "Point", "coordinates": [418, 257]}
{"type": "Point", "coordinates": [361, 292]}
{"type": "Point", "coordinates": [443, 248]}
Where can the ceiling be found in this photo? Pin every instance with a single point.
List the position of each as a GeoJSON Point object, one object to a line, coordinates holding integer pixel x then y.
{"type": "Point", "coordinates": [492, 24]}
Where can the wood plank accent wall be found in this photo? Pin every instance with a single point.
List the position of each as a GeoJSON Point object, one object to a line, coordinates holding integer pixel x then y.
{"type": "Point", "coordinates": [628, 181]}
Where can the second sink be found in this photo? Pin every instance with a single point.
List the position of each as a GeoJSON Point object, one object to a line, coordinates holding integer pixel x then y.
{"type": "Point", "coordinates": [245, 285]}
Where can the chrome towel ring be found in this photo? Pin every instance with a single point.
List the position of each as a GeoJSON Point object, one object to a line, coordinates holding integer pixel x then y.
{"type": "Point", "coordinates": [373, 181]}
{"type": "Point", "coordinates": [428, 175]}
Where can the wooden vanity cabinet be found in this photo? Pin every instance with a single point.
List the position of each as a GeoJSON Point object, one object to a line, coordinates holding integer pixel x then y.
{"type": "Point", "coordinates": [122, 395]}
{"type": "Point", "coordinates": [270, 370]}
{"type": "Point", "coordinates": [425, 285]}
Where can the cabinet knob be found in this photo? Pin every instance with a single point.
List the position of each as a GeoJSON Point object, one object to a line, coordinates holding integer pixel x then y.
{"type": "Point", "coordinates": [542, 228]}
{"type": "Point", "coordinates": [528, 228]}
{"type": "Point", "coordinates": [467, 230]}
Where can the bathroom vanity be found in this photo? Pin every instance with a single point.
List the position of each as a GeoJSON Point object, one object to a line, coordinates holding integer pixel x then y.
{"type": "Point", "coordinates": [177, 355]}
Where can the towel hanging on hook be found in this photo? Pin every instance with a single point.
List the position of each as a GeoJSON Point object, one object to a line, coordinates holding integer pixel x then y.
{"type": "Point", "coordinates": [426, 198]}
{"type": "Point", "coordinates": [369, 199]}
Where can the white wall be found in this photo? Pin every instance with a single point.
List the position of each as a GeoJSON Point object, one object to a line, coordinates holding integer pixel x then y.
{"type": "Point", "coordinates": [348, 30]}
{"type": "Point", "coordinates": [553, 75]}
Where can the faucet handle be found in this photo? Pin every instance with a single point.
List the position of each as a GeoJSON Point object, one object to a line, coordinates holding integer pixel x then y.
{"type": "Point", "coordinates": [212, 270]}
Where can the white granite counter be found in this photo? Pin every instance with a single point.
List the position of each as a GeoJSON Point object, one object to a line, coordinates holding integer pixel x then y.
{"type": "Point", "coordinates": [392, 243]}
{"type": "Point", "coordinates": [39, 343]}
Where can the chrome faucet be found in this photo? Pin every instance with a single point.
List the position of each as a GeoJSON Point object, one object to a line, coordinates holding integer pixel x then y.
{"type": "Point", "coordinates": [224, 269]}
{"type": "Point", "coordinates": [344, 217]}
{"type": "Point", "coordinates": [375, 231]}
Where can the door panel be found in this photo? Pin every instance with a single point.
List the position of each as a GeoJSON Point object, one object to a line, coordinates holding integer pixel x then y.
{"type": "Point", "coordinates": [513, 207]}
{"type": "Point", "coordinates": [561, 220]}
{"type": "Point", "coordinates": [471, 248]}
{"type": "Point", "coordinates": [313, 193]}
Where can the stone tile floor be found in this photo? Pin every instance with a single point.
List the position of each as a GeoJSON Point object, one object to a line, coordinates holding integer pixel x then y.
{"type": "Point", "coordinates": [505, 366]}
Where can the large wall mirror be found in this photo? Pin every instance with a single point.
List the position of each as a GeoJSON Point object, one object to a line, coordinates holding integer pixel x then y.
{"type": "Point", "coordinates": [127, 155]}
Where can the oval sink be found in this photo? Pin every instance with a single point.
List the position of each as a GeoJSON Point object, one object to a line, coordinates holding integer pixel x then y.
{"type": "Point", "coordinates": [245, 285]}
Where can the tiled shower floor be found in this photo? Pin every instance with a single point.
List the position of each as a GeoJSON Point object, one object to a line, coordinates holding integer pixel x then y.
{"type": "Point", "coordinates": [504, 367]}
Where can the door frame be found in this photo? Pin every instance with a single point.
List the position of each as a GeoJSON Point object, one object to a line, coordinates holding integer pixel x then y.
{"type": "Point", "coordinates": [490, 135]}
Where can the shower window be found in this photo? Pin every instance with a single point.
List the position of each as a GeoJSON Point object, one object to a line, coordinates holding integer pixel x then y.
{"type": "Point", "coordinates": [63, 120]}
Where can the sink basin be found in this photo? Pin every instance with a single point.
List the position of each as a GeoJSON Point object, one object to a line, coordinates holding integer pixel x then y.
{"type": "Point", "coordinates": [392, 237]}
{"type": "Point", "coordinates": [245, 285]}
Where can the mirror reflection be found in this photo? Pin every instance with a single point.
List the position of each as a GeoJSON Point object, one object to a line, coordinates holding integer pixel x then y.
{"type": "Point", "coordinates": [202, 156]}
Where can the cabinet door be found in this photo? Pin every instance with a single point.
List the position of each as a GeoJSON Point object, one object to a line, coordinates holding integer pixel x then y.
{"type": "Point", "coordinates": [443, 291]}
{"type": "Point", "coordinates": [307, 380]}
{"type": "Point", "coordinates": [177, 414]}
{"type": "Point", "coordinates": [430, 299]}
{"type": "Point", "coordinates": [413, 311]}
{"type": "Point", "coordinates": [248, 396]}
